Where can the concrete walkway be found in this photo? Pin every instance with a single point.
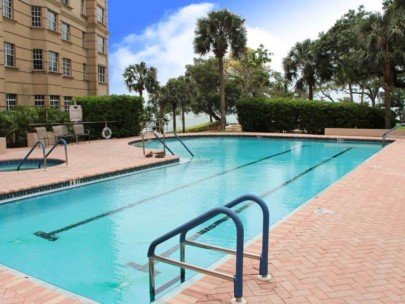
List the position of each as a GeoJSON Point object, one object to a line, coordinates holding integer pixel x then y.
{"type": "Point", "coordinates": [353, 254]}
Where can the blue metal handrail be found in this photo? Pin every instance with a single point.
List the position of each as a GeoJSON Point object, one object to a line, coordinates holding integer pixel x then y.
{"type": "Point", "coordinates": [60, 141]}
{"type": "Point", "coordinates": [393, 129]}
{"type": "Point", "coordinates": [29, 153]}
{"type": "Point", "coordinates": [237, 278]}
{"type": "Point", "coordinates": [164, 144]}
{"type": "Point", "coordinates": [184, 145]}
{"type": "Point", "coordinates": [264, 271]}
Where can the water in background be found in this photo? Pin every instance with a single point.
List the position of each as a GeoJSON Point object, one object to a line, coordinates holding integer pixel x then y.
{"type": "Point", "coordinates": [193, 119]}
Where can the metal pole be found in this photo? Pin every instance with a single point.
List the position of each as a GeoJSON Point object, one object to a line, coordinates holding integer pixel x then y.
{"type": "Point", "coordinates": [143, 143]}
{"type": "Point", "coordinates": [182, 259]}
{"type": "Point", "coordinates": [151, 279]}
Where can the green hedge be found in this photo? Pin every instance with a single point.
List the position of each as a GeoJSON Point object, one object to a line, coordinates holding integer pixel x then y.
{"type": "Point", "coordinates": [203, 127]}
{"type": "Point", "coordinates": [14, 125]}
{"type": "Point", "coordinates": [125, 110]}
{"type": "Point", "coordinates": [285, 115]}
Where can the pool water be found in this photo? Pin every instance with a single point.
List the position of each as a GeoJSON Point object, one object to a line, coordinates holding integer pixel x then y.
{"type": "Point", "coordinates": [29, 164]}
{"type": "Point", "coordinates": [93, 240]}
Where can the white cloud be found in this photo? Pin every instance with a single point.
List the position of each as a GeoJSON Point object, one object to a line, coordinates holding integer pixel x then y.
{"type": "Point", "coordinates": [168, 46]}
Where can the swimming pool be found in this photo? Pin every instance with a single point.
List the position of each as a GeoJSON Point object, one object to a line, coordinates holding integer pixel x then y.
{"type": "Point", "coordinates": [29, 164]}
{"type": "Point", "coordinates": [92, 240]}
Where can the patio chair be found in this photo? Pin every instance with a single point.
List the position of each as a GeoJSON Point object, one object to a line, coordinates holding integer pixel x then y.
{"type": "Point", "coordinates": [79, 131]}
{"type": "Point", "coordinates": [62, 132]}
{"type": "Point", "coordinates": [42, 135]}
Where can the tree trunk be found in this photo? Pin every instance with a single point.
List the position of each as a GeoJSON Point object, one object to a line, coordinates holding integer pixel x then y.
{"type": "Point", "coordinates": [310, 90]}
{"type": "Point", "coordinates": [174, 119]}
{"type": "Point", "coordinates": [222, 92]}
{"type": "Point", "coordinates": [351, 92]}
{"type": "Point", "coordinates": [183, 119]}
{"type": "Point", "coordinates": [387, 94]}
{"type": "Point", "coordinates": [362, 95]}
{"type": "Point", "coordinates": [210, 118]}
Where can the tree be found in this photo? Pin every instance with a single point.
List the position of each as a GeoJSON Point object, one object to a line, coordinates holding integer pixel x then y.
{"type": "Point", "coordinates": [383, 39]}
{"type": "Point", "coordinates": [218, 32]}
{"type": "Point", "coordinates": [251, 72]}
{"type": "Point", "coordinates": [138, 77]}
{"type": "Point", "coordinates": [307, 65]}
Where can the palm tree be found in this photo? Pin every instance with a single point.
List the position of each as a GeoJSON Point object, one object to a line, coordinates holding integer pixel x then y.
{"type": "Point", "coordinates": [383, 38]}
{"type": "Point", "coordinates": [138, 77]}
{"type": "Point", "coordinates": [300, 64]}
{"type": "Point", "coordinates": [217, 32]}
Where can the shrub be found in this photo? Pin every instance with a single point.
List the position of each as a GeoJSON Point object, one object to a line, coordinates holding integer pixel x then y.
{"type": "Point", "coordinates": [126, 112]}
{"type": "Point", "coordinates": [14, 125]}
{"type": "Point", "coordinates": [285, 115]}
{"type": "Point", "coordinates": [203, 127]}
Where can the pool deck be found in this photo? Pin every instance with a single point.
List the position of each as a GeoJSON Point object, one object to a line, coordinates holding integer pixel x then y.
{"type": "Point", "coordinates": [355, 253]}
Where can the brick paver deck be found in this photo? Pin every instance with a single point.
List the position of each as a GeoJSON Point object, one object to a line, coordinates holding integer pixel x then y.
{"type": "Point", "coordinates": [356, 254]}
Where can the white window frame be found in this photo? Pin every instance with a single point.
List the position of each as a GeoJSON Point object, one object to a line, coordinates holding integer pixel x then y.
{"type": "Point", "coordinates": [100, 44]}
{"type": "Point", "coordinates": [67, 101]}
{"type": "Point", "coordinates": [38, 59]}
{"type": "Point", "coordinates": [39, 100]}
{"type": "Point", "coordinates": [67, 67]}
{"type": "Point", "coordinates": [53, 59]}
{"type": "Point", "coordinates": [36, 16]}
{"type": "Point", "coordinates": [11, 101]}
{"type": "Point", "coordinates": [52, 21]}
{"type": "Point", "coordinates": [8, 8]}
{"type": "Point", "coordinates": [100, 14]}
{"type": "Point", "coordinates": [54, 101]}
{"type": "Point", "coordinates": [9, 54]}
{"type": "Point", "coordinates": [101, 73]}
{"type": "Point", "coordinates": [65, 31]}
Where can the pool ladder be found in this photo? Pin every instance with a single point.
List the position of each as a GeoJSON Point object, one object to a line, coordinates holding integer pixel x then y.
{"type": "Point", "coordinates": [45, 155]}
{"type": "Point", "coordinates": [391, 130]}
{"type": "Point", "coordinates": [237, 278]}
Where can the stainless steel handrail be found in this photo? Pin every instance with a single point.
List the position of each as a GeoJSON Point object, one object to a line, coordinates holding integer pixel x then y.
{"type": "Point", "coordinates": [393, 129]}
{"type": "Point", "coordinates": [60, 141]}
{"type": "Point", "coordinates": [29, 153]}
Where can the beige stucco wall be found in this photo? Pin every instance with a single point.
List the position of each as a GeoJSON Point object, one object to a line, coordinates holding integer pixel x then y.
{"type": "Point", "coordinates": [26, 82]}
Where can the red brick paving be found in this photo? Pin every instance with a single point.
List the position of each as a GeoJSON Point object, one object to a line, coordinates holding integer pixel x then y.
{"type": "Point", "coordinates": [355, 255]}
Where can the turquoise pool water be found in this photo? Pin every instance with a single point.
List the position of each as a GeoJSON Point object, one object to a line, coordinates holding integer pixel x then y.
{"type": "Point", "coordinates": [93, 239]}
{"type": "Point", "coordinates": [29, 164]}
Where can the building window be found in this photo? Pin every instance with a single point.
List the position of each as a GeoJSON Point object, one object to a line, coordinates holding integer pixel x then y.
{"type": "Point", "coordinates": [8, 8]}
{"type": "Point", "coordinates": [37, 59]}
{"type": "Point", "coordinates": [100, 44]}
{"type": "Point", "coordinates": [100, 14]}
{"type": "Point", "coordinates": [67, 101]}
{"type": "Point", "coordinates": [11, 100]}
{"type": "Point", "coordinates": [84, 71]}
{"type": "Point", "coordinates": [39, 100]}
{"type": "Point", "coordinates": [54, 101]}
{"type": "Point", "coordinates": [65, 31]}
{"type": "Point", "coordinates": [67, 67]}
{"type": "Point", "coordinates": [83, 8]}
{"type": "Point", "coordinates": [65, 2]}
{"type": "Point", "coordinates": [101, 73]}
{"type": "Point", "coordinates": [36, 12]}
{"type": "Point", "coordinates": [53, 61]}
{"type": "Point", "coordinates": [84, 39]}
{"type": "Point", "coordinates": [52, 21]}
{"type": "Point", "coordinates": [9, 54]}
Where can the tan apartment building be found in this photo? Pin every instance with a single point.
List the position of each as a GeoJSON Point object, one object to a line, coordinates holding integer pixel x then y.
{"type": "Point", "coordinates": [52, 51]}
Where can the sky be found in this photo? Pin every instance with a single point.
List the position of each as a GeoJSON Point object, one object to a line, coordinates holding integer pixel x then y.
{"type": "Point", "coordinates": [161, 32]}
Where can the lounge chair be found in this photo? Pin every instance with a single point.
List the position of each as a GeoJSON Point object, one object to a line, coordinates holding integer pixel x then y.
{"type": "Point", "coordinates": [62, 132]}
{"type": "Point", "coordinates": [42, 135]}
{"type": "Point", "coordinates": [79, 131]}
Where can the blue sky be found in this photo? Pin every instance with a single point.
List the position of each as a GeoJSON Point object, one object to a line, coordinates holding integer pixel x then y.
{"type": "Point", "coordinates": [161, 32]}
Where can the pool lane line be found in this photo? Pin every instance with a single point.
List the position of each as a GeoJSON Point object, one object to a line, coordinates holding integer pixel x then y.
{"type": "Point", "coordinates": [52, 236]}
{"type": "Point", "coordinates": [167, 253]}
